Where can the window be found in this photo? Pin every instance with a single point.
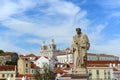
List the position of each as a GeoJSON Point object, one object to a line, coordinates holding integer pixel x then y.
{"type": "Point", "coordinates": [3, 75]}
{"type": "Point", "coordinates": [109, 74]}
{"type": "Point", "coordinates": [104, 74]}
{"type": "Point", "coordinates": [26, 64]}
{"type": "Point", "coordinates": [97, 72]}
{"type": "Point", "coordinates": [11, 75]}
{"type": "Point", "coordinates": [90, 73]}
{"type": "Point", "coordinates": [7, 75]}
{"type": "Point", "coordinates": [26, 70]}
{"type": "Point", "coordinates": [32, 71]}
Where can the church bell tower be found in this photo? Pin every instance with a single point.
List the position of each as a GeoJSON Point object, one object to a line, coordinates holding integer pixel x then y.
{"type": "Point", "coordinates": [44, 46]}
{"type": "Point", "coordinates": [52, 45]}
{"type": "Point", "coordinates": [50, 51]}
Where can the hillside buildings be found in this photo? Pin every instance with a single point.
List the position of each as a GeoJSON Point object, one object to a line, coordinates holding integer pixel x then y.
{"type": "Point", "coordinates": [8, 56]}
{"type": "Point", "coordinates": [100, 66]}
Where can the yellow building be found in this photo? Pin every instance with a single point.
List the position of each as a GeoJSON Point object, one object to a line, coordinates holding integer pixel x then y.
{"type": "Point", "coordinates": [7, 72]}
{"type": "Point", "coordinates": [24, 66]}
{"type": "Point", "coordinates": [100, 72]}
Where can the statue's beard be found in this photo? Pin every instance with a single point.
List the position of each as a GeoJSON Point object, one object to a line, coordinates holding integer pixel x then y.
{"type": "Point", "coordinates": [78, 32]}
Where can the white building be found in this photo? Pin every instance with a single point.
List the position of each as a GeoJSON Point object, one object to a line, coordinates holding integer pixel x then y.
{"type": "Point", "coordinates": [42, 61]}
{"type": "Point", "coordinates": [68, 57]}
{"type": "Point", "coordinates": [51, 52]}
{"type": "Point", "coordinates": [102, 57]}
{"type": "Point", "coordinates": [116, 74]}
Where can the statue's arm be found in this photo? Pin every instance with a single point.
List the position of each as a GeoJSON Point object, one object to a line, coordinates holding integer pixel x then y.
{"type": "Point", "coordinates": [87, 42]}
{"type": "Point", "coordinates": [73, 44]}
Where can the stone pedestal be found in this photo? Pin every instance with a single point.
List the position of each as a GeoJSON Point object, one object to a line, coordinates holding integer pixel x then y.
{"type": "Point", "coordinates": [79, 74]}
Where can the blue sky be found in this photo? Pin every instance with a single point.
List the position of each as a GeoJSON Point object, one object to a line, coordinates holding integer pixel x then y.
{"type": "Point", "coordinates": [24, 24]}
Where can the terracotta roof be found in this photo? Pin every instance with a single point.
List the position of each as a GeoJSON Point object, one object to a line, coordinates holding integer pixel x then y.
{"type": "Point", "coordinates": [65, 75]}
{"type": "Point", "coordinates": [23, 58]}
{"type": "Point", "coordinates": [104, 55]}
{"type": "Point", "coordinates": [67, 48]}
{"type": "Point", "coordinates": [103, 62]}
{"type": "Point", "coordinates": [58, 70]}
{"type": "Point", "coordinates": [34, 66]}
{"type": "Point", "coordinates": [115, 69]}
{"type": "Point", "coordinates": [25, 75]}
{"type": "Point", "coordinates": [7, 68]}
{"type": "Point", "coordinates": [90, 54]}
{"type": "Point", "coordinates": [30, 55]}
{"type": "Point", "coordinates": [95, 63]}
{"type": "Point", "coordinates": [98, 65]}
{"type": "Point", "coordinates": [37, 57]}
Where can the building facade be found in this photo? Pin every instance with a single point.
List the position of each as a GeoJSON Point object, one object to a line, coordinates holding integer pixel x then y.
{"type": "Point", "coordinates": [24, 66]}
{"type": "Point", "coordinates": [7, 72]}
{"type": "Point", "coordinates": [68, 57]}
{"type": "Point", "coordinates": [100, 72]}
{"type": "Point", "coordinates": [8, 56]}
{"type": "Point", "coordinates": [51, 52]}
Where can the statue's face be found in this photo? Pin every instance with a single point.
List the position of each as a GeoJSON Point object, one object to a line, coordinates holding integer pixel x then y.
{"type": "Point", "coordinates": [78, 30]}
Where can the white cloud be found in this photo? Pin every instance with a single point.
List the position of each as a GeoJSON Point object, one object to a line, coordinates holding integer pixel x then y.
{"type": "Point", "coordinates": [9, 8]}
{"type": "Point", "coordinates": [61, 33]}
{"type": "Point", "coordinates": [61, 27]}
{"type": "Point", "coordinates": [6, 9]}
{"type": "Point", "coordinates": [110, 47]}
{"type": "Point", "coordinates": [109, 3]}
{"type": "Point", "coordinates": [63, 8]}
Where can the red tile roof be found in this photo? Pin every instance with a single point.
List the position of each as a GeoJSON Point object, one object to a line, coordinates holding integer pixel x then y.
{"type": "Point", "coordinates": [89, 54]}
{"type": "Point", "coordinates": [98, 65]}
{"type": "Point", "coordinates": [23, 58]}
{"type": "Point", "coordinates": [7, 68]}
{"type": "Point", "coordinates": [106, 55]}
{"type": "Point", "coordinates": [26, 75]}
{"type": "Point", "coordinates": [58, 70]}
{"type": "Point", "coordinates": [67, 48]}
{"type": "Point", "coordinates": [37, 57]}
{"type": "Point", "coordinates": [115, 69]}
{"type": "Point", "coordinates": [103, 62]}
{"type": "Point", "coordinates": [30, 55]}
{"type": "Point", "coordinates": [34, 66]}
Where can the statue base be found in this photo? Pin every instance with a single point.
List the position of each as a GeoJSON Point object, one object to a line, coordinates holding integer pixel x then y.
{"type": "Point", "coordinates": [79, 74]}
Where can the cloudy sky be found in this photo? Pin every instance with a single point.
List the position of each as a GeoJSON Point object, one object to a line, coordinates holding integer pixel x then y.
{"type": "Point", "coordinates": [24, 24]}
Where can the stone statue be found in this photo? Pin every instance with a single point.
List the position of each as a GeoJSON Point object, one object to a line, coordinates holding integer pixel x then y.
{"type": "Point", "coordinates": [80, 45]}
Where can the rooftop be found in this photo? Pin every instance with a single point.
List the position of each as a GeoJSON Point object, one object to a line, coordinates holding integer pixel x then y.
{"type": "Point", "coordinates": [58, 70]}
{"type": "Point", "coordinates": [7, 68]}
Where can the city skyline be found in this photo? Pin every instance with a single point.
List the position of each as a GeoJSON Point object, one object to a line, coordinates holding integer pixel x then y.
{"type": "Point", "coordinates": [25, 24]}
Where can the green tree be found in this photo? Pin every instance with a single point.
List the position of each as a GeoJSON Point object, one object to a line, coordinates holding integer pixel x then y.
{"type": "Point", "coordinates": [47, 74]}
{"type": "Point", "coordinates": [11, 63]}
{"type": "Point", "coordinates": [1, 51]}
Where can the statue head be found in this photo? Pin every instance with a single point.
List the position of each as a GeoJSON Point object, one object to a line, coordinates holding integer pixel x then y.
{"type": "Point", "coordinates": [78, 30]}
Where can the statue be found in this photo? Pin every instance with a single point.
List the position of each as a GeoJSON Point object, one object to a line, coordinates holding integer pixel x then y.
{"type": "Point", "coordinates": [80, 45]}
